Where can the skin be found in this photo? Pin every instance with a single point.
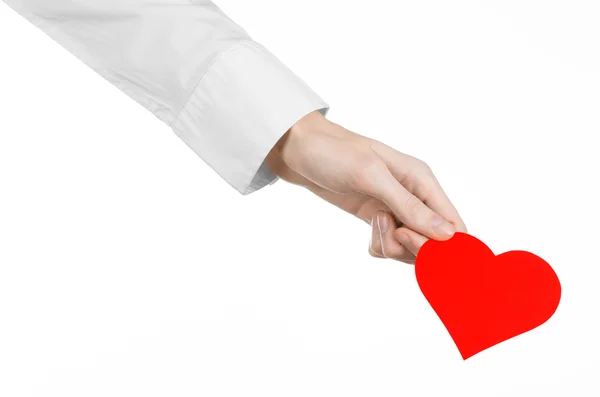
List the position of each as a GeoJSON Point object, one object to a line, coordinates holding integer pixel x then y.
{"type": "Point", "coordinates": [396, 194]}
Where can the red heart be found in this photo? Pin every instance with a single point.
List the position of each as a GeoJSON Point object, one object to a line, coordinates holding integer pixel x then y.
{"type": "Point", "coordinates": [484, 299]}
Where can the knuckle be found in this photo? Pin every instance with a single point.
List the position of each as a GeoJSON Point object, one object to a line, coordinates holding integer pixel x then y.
{"type": "Point", "coordinates": [374, 248]}
{"type": "Point", "coordinates": [427, 185]}
{"type": "Point", "coordinates": [427, 174]}
{"type": "Point", "coordinates": [384, 252]}
{"type": "Point", "coordinates": [411, 206]}
{"type": "Point", "coordinates": [373, 253]}
{"type": "Point", "coordinates": [427, 188]}
{"type": "Point", "coordinates": [424, 168]}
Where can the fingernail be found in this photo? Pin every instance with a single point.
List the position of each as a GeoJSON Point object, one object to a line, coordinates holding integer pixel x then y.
{"type": "Point", "coordinates": [442, 227]}
{"type": "Point", "coordinates": [383, 223]}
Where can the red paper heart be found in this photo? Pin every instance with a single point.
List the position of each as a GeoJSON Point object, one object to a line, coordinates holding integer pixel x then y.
{"type": "Point", "coordinates": [484, 299]}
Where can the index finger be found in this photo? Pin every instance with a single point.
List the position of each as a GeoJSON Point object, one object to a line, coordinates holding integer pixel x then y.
{"type": "Point", "coordinates": [436, 198]}
{"type": "Point", "coordinates": [405, 206]}
{"type": "Point", "coordinates": [418, 178]}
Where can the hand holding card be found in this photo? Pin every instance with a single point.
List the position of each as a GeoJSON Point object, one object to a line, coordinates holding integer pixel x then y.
{"type": "Point", "coordinates": [481, 298]}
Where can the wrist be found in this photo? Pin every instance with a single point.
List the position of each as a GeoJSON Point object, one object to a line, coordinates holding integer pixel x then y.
{"type": "Point", "coordinates": [288, 150]}
{"type": "Point", "coordinates": [308, 125]}
{"type": "Point", "coordinates": [312, 122]}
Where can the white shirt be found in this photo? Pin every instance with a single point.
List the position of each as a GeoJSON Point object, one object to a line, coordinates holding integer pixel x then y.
{"type": "Point", "coordinates": [226, 96]}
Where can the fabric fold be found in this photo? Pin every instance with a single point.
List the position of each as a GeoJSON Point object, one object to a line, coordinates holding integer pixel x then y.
{"type": "Point", "coordinates": [239, 110]}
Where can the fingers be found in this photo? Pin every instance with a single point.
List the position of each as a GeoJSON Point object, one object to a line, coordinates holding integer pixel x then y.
{"type": "Point", "coordinates": [408, 208]}
{"type": "Point", "coordinates": [410, 239]}
{"type": "Point", "coordinates": [383, 242]}
{"type": "Point", "coordinates": [418, 184]}
{"type": "Point", "coordinates": [435, 198]}
{"type": "Point", "coordinates": [375, 248]}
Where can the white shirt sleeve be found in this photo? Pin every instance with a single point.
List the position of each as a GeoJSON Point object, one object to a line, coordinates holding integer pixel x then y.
{"type": "Point", "coordinates": [226, 96]}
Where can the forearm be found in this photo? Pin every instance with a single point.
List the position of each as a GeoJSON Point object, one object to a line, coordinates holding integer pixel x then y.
{"type": "Point", "coordinates": [226, 96]}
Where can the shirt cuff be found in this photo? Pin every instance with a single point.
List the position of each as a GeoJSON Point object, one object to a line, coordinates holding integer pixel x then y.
{"type": "Point", "coordinates": [242, 106]}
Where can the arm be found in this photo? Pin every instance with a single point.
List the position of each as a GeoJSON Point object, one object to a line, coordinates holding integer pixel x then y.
{"type": "Point", "coordinates": [397, 194]}
{"type": "Point", "coordinates": [226, 96]}
{"type": "Point", "coordinates": [247, 115]}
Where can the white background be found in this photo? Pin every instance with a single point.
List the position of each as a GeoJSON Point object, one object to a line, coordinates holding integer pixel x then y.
{"type": "Point", "coordinates": [129, 268]}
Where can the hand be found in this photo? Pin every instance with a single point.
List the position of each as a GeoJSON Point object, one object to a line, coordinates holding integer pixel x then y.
{"type": "Point", "coordinates": [395, 193]}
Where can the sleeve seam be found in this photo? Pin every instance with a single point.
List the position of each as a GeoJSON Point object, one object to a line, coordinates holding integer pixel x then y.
{"type": "Point", "coordinates": [222, 54]}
